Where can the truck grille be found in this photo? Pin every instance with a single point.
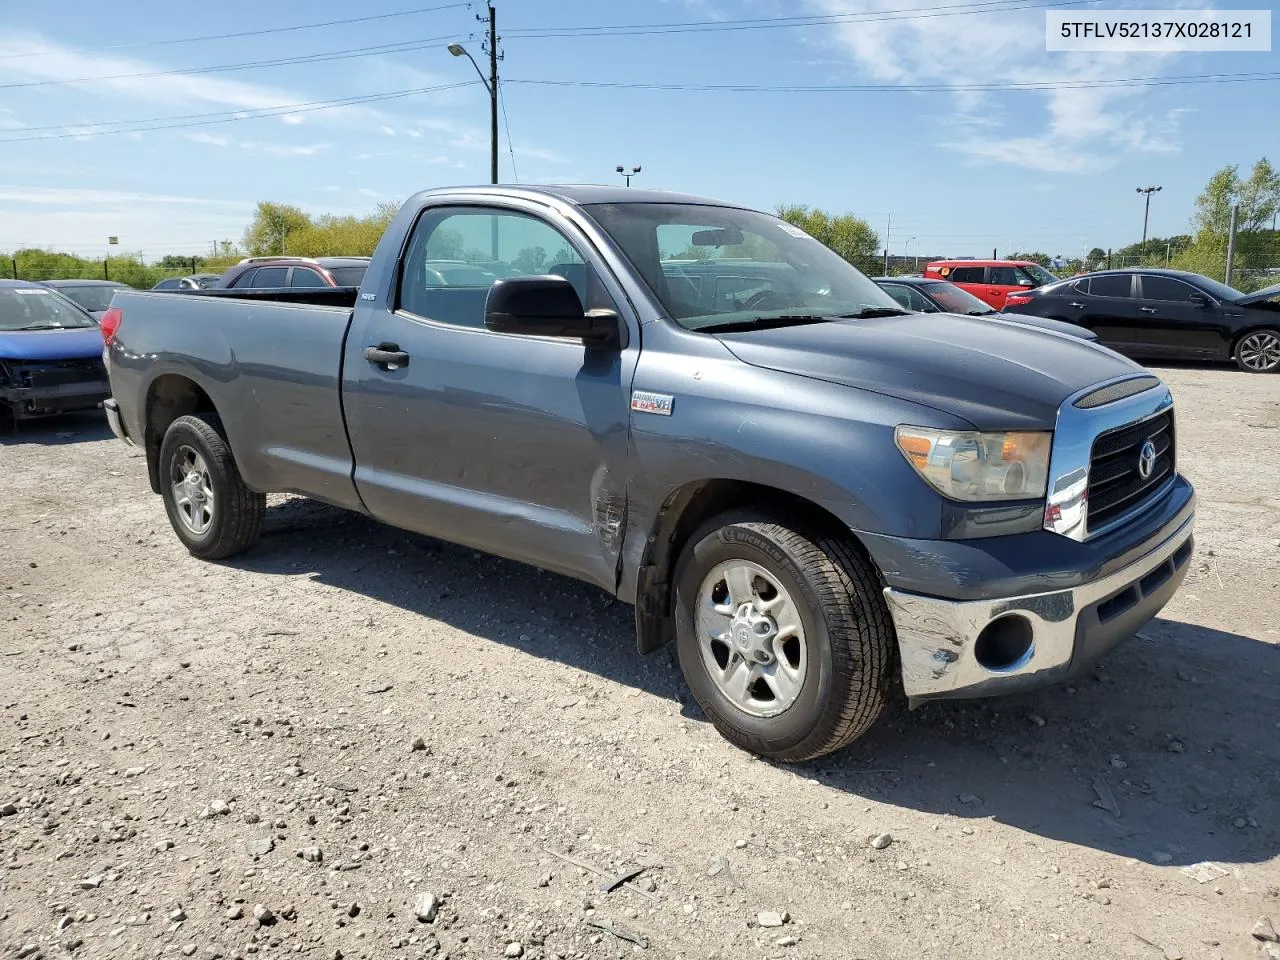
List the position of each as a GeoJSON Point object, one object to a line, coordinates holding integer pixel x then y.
{"type": "Point", "coordinates": [1116, 484]}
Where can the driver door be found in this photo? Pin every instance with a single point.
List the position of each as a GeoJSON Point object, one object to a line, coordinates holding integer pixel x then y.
{"type": "Point", "coordinates": [513, 444]}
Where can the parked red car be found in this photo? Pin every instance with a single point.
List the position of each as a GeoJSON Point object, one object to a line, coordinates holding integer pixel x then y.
{"type": "Point", "coordinates": [991, 280]}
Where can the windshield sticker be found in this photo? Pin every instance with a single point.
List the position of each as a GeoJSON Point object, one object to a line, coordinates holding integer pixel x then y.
{"type": "Point", "coordinates": [793, 231]}
{"type": "Point", "coordinates": [31, 293]}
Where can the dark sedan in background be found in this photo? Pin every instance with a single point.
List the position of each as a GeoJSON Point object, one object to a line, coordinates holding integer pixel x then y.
{"type": "Point", "coordinates": [93, 295]}
{"type": "Point", "coordinates": [926, 295]}
{"type": "Point", "coordinates": [1151, 314]}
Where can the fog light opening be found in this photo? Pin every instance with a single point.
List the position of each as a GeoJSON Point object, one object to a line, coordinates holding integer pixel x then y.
{"type": "Point", "coordinates": [1004, 643]}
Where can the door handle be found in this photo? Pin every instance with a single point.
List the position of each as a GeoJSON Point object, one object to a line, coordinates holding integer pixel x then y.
{"type": "Point", "coordinates": [1078, 306]}
{"type": "Point", "coordinates": [387, 355]}
{"type": "Point", "coordinates": [1147, 309]}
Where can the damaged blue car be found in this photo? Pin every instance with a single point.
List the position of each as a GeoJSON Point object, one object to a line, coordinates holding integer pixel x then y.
{"type": "Point", "coordinates": [50, 354]}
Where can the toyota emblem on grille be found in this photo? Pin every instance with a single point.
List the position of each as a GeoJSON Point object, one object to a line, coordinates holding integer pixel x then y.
{"type": "Point", "coordinates": [1146, 460]}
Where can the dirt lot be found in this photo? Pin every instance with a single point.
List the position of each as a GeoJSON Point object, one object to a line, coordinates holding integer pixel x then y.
{"type": "Point", "coordinates": [175, 734]}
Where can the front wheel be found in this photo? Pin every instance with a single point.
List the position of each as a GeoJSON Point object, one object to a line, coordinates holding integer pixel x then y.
{"type": "Point", "coordinates": [783, 636]}
{"type": "Point", "coordinates": [211, 510]}
{"type": "Point", "coordinates": [1258, 351]}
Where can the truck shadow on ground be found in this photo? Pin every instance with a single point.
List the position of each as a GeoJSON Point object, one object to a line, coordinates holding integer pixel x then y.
{"type": "Point", "coordinates": [1169, 753]}
{"type": "Point", "coordinates": [55, 431]}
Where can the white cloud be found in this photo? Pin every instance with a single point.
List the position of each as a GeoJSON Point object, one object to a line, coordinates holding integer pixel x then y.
{"type": "Point", "coordinates": [366, 192]}
{"type": "Point", "coordinates": [58, 62]}
{"type": "Point", "coordinates": [212, 140]}
{"type": "Point", "coordinates": [535, 153]}
{"type": "Point", "coordinates": [389, 131]}
{"type": "Point", "coordinates": [285, 149]}
{"type": "Point", "coordinates": [69, 196]}
{"type": "Point", "coordinates": [1060, 130]}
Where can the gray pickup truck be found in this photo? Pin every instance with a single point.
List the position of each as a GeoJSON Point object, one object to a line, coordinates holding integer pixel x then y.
{"type": "Point", "coordinates": [821, 499]}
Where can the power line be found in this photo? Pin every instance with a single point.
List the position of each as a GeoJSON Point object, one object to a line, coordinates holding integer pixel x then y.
{"type": "Point", "coordinates": [506, 123]}
{"type": "Point", "coordinates": [911, 87]}
{"type": "Point", "coordinates": [283, 111]}
{"type": "Point", "coordinates": [246, 33]}
{"type": "Point", "coordinates": [772, 23]}
{"type": "Point", "coordinates": [401, 47]}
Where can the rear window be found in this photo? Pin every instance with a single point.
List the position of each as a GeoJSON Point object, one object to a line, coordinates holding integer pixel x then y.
{"type": "Point", "coordinates": [348, 276]}
{"type": "Point", "coordinates": [964, 274]}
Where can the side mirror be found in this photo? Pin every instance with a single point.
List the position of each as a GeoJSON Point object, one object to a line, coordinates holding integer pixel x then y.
{"type": "Point", "coordinates": [1199, 299]}
{"type": "Point", "coordinates": [546, 307]}
{"type": "Point", "coordinates": [1025, 283]}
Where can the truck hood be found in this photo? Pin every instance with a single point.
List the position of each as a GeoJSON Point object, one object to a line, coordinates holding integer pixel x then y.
{"type": "Point", "coordinates": [995, 375]}
{"type": "Point", "coordinates": [56, 344]}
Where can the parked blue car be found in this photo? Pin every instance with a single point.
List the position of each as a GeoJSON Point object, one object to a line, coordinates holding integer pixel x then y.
{"type": "Point", "coordinates": [50, 353]}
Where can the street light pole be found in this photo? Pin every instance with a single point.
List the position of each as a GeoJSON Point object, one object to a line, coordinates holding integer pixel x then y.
{"type": "Point", "coordinates": [1148, 191]}
{"type": "Point", "coordinates": [634, 171]}
{"type": "Point", "coordinates": [490, 84]}
{"type": "Point", "coordinates": [916, 266]}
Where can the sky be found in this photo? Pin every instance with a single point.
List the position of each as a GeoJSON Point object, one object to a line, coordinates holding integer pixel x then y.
{"type": "Point", "coordinates": [161, 145]}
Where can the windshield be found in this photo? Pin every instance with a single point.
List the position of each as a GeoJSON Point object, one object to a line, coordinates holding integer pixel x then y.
{"type": "Point", "coordinates": [716, 266]}
{"type": "Point", "coordinates": [954, 300]}
{"type": "Point", "coordinates": [1219, 290]}
{"type": "Point", "coordinates": [38, 308]}
{"type": "Point", "coordinates": [94, 298]}
{"type": "Point", "coordinates": [1039, 274]}
{"type": "Point", "coordinates": [348, 276]}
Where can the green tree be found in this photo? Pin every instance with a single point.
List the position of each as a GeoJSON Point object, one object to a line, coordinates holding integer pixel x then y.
{"type": "Point", "coordinates": [849, 236]}
{"type": "Point", "coordinates": [1258, 197]}
{"type": "Point", "coordinates": [531, 261]}
{"type": "Point", "coordinates": [272, 226]}
{"type": "Point", "coordinates": [1040, 258]}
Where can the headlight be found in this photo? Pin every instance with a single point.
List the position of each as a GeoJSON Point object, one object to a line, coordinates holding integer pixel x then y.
{"type": "Point", "coordinates": [967, 465]}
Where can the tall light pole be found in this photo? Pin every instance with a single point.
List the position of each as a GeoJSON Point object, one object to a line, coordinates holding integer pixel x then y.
{"type": "Point", "coordinates": [916, 240]}
{"type": "Point", "coordinates": [490, 84]}
{"type": "Point", "coordinates": [1148, 191]}
{"type": "Point", "coordinates": [634, 171]}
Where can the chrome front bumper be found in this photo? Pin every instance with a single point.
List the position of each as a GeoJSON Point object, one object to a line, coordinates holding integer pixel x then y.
{"type": "Point", "coordinates": [943, 646]}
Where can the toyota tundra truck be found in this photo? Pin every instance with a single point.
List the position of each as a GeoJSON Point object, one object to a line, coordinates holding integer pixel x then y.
{"type": "Point", "coordinates": [822, 500]}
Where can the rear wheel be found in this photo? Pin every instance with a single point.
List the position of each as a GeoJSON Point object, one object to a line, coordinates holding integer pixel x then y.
{"type": "Point", "coordinates": [1258, 351]}
{"type": "Point", "coordinates": [211, 510]}
{"type": "Point", "coordinates": [783, 636]}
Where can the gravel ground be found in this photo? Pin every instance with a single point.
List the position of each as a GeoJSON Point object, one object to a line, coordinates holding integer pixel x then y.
{"type": "Point", "coordinates": [307, 749]}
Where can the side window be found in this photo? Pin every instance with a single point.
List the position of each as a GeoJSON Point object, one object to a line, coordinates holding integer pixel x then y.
{"type": "Point", "coordinates": [966, 274]}
{"type": "Point", "coordinates": [456, 254]}
{"type": "Point", "coordinates": [908, 298]}
{"type": "Point", "coordinates": [306, 277]}
{"type": "Point", "coordinates": [271, 277]}
{"type": "Point", "coordinates": [245, 279]}
{"type": "Point", "coordinates": [1166, 288]}
{"type": "Point", "coordinates": [171, 284]}
{"type": "Point", "coordinates": [1111, 285]}
{"type": "Point", "coordinates": [1003, 276]}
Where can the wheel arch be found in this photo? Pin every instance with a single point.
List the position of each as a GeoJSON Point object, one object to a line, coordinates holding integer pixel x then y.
{"type": "Point", "coordinates": [169, 397]}
{"type": "Point", "coordinates": [686, 509]}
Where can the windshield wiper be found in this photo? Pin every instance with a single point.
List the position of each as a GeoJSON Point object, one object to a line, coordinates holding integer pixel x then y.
{"type": "Point", "coordinates": [868, 312]}
{"type": "Point", "coordinates": [763, 323]}
{"type": "Point", "coordinates": [38, 326]}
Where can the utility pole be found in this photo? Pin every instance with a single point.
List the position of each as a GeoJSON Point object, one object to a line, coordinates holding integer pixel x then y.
{"type": "Point", "coordinates": [887, 224]}
{"type": "Point", "coordinates": [490, 83]}
{"type": "Point", "coordinates": [1146, 213]}
{"type": "Point", "coordinates": [493, 94]}
{"type": "Point", "coordinates": [1231, 243]}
